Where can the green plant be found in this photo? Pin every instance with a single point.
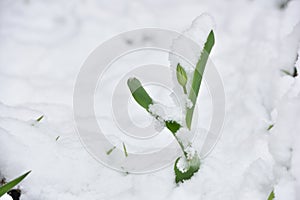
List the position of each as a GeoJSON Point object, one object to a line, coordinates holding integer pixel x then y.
{"type": "Point", "coordinates": [40, 118]}
{"type": "Point", "coordinates": [190, 161]}
{"type": "Point", "coordinates": [8, 186]}
{"type": "Point", "coordinates": [125, 150]}
{"type": "Point", "coordinates": [293, 74]}
{"type": "Point", "coordinates": [271, 196]}
{"type": "Point", "coordinates": [270, 127]}
{"type": "Point", "coordinates": [110, 150]}
{"type": "Point", "coordinates": [36, 121]}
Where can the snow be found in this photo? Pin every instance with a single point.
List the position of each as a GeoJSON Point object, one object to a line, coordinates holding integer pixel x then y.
{"type": "Point", "coordinates": [191, 152]}
{"type": "Point", "coordinates": [6, 197]}
{"type": "Point", "coordinates": [43, 45]}
{"type": "Point", "coordinates": [184, 137]}
{"type": "Point", "coordinates": [182, 165]}
{"type": "Point", "coordinates": [165, 112]}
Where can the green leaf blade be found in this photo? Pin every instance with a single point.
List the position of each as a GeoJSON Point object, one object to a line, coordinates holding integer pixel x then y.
{"type": "Point", "coordinates": [270, 127]}
{"type": "Point", "coordinates": [197, 77]}
{"type": "Point", "coordinates": [271, 196]}
{"type": "Point", "coordinates": [139, 93]}
{"type": "Point", "coordinates": [125, 150]}
{"type": "Point", "coordinates": [8, 186]}
{"type": "Point", "coordinates": [40, 118]}
{"type": "Point", "coordinates": [110, 150]}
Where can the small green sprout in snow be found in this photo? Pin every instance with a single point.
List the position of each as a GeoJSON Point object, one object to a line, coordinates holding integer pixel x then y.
{"type": "Point", "coordinates": [8, 186]}
{"type": "Point", "coordinates": [57, 138]}
{"type": "Point", "coordinates": [40, 118]}
{"type": "Point", "coordinates": [293, 74]}
{"type": "Point", "coordinates": [143, 99]}
{"type": "Point", "coordinates": [270, 127]}
{"type": "Point", "coordinates": [125, 150]}
{"type": "Point", "coordinates": [110, 150]}
{"type": "Point", "coordinates": [271, 196]}
{"type": "Point", "coordinates": [37, 120]}
{"type": "Point", "coordinates": [181, 77]}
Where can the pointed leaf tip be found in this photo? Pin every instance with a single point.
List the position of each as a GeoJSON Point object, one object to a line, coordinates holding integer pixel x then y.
{"type": "Point", "coordinates": [8, 186]}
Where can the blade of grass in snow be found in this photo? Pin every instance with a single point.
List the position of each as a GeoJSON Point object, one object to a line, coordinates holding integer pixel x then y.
{"type": "Point", "coordinates": [197, 77]}
{"type": "Point", "coordinates": [57, 138]}
{"type": "Point", "coordinates": [294, 74]}
{"type": "Point", "coordinates": [270, 127]}
{"type": "Point", "coordinates": [271, 196]}
{"type": "Point", "coordinates": [125, 150]}
{"type": "Point", "coordinates": [40, 118]}
{"type": "Point", "coordinates": [139, 93]}
{"type": "Point", "coordinates": [110, 150]}
{"type": "Point", "coordinates": [8, 186]}
{"type": "Point", "coordinates": [286, 72]}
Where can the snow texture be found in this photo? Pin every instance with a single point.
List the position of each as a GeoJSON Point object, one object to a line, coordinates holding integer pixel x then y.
{"type": "Point", "coordinates": [182, 165]}
{"type": "Point", "coordinates": [42, 47]}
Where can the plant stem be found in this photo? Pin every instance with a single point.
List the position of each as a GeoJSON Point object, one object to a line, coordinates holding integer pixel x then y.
{"type": "Point", "coordinates": [184, 90]}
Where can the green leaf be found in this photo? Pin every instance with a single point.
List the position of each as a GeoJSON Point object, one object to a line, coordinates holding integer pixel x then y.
{"type": "Point", "coordinates": [181, 76]}
{"type": "Point", "coordinates": [40, 118]}
{"type": "Point", "coordinates": [8, 186]}
{"type": "Point", "coordinates": [194, 166]}
{"type": "Point", "coordinates": [270, 127]}
{"type": "Point", "coordinates": [110, 150]}
{"type": "Point", "coordinates": [197, 77]}
{"type": "Point", "coordinates": [173, 126]}
{"type": "Point", "coordinates": [286, 72]}
{"type": "Point", "coordinates": [139, 93]}
{"type": "Point", "coordinates": [125, 150]}
{"type": "Point", "coordinates": [271, 196]}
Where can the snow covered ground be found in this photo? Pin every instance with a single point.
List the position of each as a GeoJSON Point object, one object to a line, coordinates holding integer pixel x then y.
{"type": "Point", "coordinates": [43, 45]}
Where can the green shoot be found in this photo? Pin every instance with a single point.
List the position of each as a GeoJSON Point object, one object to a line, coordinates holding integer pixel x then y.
{"type": "Point", "coordinates": [125, 150]}
{"type": "Point", "coordinates": [197, 78]}
{"type": "Point", "coordinates": [8, 186]}
{"type": "Point", "coordinates": [293, 74]}
{"type": "Point", "coordinates": [110, 150]}
{"type": "Point", "coordinates": [181, 77]}
{"type": "Point", "coordinates": [270, 127]}
{"type": "Point", "coordinates": [57, 138]}
{"type": "Point", "coordinates": [271, 196]}
{"type": "Point", "coordinates": [40, 118]}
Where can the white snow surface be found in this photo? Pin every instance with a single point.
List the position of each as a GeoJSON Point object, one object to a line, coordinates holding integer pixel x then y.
{"type": "Point", "coordinates": [44, 43]}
